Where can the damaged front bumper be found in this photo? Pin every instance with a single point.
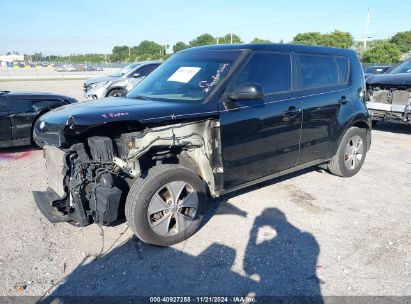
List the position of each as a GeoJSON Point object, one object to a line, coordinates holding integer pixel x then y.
{"type": "Point", "coordinates": [400, 114]}
{"type": "Point", "coordinates": [80, 190]}
{"type": "Point", "coordinates": [389, 103]}
{"type": "Point", "coordinates": [45, 202]}
{"type": "Point", "coordinates": [89, 181]}
{"type": "Point", "coordinates": [49, 201]}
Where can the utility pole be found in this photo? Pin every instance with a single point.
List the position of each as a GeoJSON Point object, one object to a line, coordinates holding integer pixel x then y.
{"type": "Point", "coordinates": [217, 40]}
{"type": "Point", "coordinates": [231, 35]}
{"type": "Point", "coordinates": [366, 29]}
{"type": "Point", "coordinates": [129, 53]}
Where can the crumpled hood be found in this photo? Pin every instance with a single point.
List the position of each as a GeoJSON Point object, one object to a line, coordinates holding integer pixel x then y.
{"type": "Point", "coordinates": [400, 79]}
{"type": "Point", "coordinates": [114, 109]}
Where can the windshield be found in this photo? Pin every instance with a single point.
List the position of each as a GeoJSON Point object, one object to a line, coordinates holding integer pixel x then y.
{"type": "Point", "coordinates": [188, 76]}
{"type": "Point", "coordinates": [404, 67]}
{"type": "Point", "coordinates": [125, 70]}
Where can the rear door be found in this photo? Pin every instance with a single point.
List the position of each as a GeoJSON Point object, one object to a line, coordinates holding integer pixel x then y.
{"type": "Point", "coordinates": [326, 94]}
{"type": "Point", "coordinates": [5, 123]}
{"type": "Point", "coordinates": [261, 137]}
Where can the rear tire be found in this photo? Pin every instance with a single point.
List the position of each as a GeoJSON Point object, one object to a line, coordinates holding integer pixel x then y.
{"type": "Point", "coordinates": [350, 154]}
{"type": "Point", "coordinates": [167, 206]}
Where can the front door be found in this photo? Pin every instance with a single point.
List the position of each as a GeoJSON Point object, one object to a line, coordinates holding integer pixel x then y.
{"type": "Point", "coordinates": [261, 137]}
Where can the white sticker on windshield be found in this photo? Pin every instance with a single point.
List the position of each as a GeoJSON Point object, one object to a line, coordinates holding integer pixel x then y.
{"type": "Point", "coordinates": [184, 74]}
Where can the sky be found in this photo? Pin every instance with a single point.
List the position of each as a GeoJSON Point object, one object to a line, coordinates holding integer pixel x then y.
{"type": "Point", "coordinates": [90, 26]}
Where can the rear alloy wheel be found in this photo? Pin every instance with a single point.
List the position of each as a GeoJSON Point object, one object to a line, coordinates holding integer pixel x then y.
{"type": "Point", "coordinates": [117, 93]}
{"type": "Point", "coordinates": [167, 206]}
{"type": "Point", "coordinates": [351, 153]}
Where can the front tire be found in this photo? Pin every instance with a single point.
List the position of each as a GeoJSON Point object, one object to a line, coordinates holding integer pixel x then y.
{"type": "Point", "coordinates": [117, 93]}
{"type": "Point", "coordinates": [167, 206]}
{"type": "Point", "coordinates": [351, 153]}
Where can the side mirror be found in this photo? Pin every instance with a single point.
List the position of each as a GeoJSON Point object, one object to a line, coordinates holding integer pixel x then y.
{"type": "Point", "coordinates": [249, 91]}
{"type": "Point", "coordinates": [136, 75]}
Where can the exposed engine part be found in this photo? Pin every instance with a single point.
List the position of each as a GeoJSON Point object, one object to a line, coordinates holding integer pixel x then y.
{"type": "Point", "coordinates": [105, 201]}
{"type": "Point", "coordinates": [126, 167]}
{"type": "Point", "coordinates": [389, 103]}
{"type": "Point", "coordinates": [88, 188]}
{"type": "Point", "coordinates": [400, 96]}
{"type": "Point", "coordinates": [91, 183]}
{"type": "Point", "coordinates": [101, 148]}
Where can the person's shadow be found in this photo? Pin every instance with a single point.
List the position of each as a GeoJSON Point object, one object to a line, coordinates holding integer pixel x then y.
{"type": "Point", "coordinates": [280, 260]}
{"type": "Point", "coordinates": [283, 257]}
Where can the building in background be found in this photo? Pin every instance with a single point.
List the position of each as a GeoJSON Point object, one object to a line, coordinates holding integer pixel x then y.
{"type": "Point", "coordinates": [6, 60]}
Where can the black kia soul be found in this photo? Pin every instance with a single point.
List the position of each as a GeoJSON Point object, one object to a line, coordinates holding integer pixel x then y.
{"type": "Point", "coordinates": [208, 121]}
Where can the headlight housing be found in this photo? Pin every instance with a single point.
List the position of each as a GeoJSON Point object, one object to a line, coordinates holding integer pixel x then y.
{"type": "Point", "coordinates": [97, 85]}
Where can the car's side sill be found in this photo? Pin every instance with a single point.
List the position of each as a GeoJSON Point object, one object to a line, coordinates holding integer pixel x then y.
{"type": "Point", "coordinates": [278, 174]}
{"type": "Point", "coordinates": [15, 142]}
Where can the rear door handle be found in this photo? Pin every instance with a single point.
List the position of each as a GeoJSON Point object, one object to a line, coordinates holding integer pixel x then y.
{"type": "Point", "coordinates": [292, 111]}
{"type": "Point", "coordinates": [343, 100]}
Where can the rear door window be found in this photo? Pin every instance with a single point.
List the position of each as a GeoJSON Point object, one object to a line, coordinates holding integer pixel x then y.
{"type": "Point", "coordinates": [317, 71]}
{"type": "Point", "coordinates": [19, 105]}
{"type": "Point", "coordinates": [272, 71]}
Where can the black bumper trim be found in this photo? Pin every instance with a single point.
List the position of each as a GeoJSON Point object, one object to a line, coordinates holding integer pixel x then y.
{"type": "Point", "coordinates": [44, 201]}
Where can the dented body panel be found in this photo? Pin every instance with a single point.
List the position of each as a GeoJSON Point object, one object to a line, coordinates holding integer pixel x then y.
{"type": "Point", "coordinates": [76, 120]}
{"type": "Point", "coordinates": [389, 97]}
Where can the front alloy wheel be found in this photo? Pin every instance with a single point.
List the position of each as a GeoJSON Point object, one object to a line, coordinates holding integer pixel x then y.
{"type": "Point", "coordinates": [172, 208]}
{"type": "Point", "coordinates": [167, 206]}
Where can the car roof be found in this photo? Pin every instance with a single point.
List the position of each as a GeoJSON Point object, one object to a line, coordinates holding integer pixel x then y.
{"type": "Point", "coordinates": [150, 62]}
{"type": "Point", "coordinates": [34, 94]}
{"type": "Point", "coordinates": [299, 48]}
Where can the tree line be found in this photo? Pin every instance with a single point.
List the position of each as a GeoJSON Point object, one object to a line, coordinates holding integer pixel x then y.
{"type": "Point", "coordinates": [378, 51]}
{"type": "Point", "coordinates": [390, 50]}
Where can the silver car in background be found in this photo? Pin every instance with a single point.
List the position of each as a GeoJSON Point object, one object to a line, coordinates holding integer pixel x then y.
{"type": "Point", "coordinates": [119, 83]}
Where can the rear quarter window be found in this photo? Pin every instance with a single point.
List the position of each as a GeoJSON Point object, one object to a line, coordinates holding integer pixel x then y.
{"type": "Point", "coordinates": [316, 71]}
{"type": "Point", "coordinates": [344, 68]}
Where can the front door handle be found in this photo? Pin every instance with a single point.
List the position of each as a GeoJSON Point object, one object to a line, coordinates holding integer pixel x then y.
{"type": "Point", "coordinates": [292, 111]}
{"type": "Point", "coordinates": [343, 100]}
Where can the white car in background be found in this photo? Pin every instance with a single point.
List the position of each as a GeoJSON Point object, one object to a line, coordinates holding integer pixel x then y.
{"type": "Point", "coordinates": [119, 83]}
